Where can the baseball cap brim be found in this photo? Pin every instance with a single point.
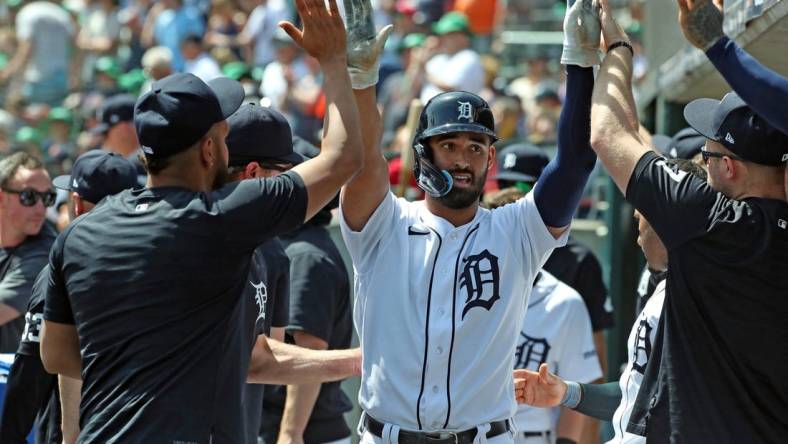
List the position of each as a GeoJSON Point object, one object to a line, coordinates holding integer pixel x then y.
{"type": "Point", "coordinates": [458, 128]}
{"type": "Point", "coordinates": [62, 182]}
{"type": "Point", "coordinates": [699, 114]}
{"type": "Point", "coordinates": [230, 94]}
{"type": "Point", "coordinates": [514, 176]}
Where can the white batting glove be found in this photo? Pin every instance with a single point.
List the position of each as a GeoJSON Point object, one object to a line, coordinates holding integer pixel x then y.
{"type": "Point", "coordinates": [581, 33]}
{"type": "Point", "coordinates": [364, 47]}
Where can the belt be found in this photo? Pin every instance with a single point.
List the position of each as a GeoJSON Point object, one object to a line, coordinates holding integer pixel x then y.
{"type": "Point", "coordinates": [545, 434]}
{"type": "Point", "coordinates": [407, 437]}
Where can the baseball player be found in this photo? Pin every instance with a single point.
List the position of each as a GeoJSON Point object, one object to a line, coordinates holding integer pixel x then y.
{"type": "Point", "coordinates": [443, 279]}
{"type": "Point", "coordinates": [151, 322]}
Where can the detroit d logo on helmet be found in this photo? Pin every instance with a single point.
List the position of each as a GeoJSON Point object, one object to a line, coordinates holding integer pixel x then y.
{"type": "Point", "coordinates": [480, 281]}
{"type": "Point", "coordinates": [465, 111]}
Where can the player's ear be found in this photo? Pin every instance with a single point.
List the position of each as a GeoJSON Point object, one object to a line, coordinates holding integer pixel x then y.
{"type": "Point", "coordinates": [79, 208]}
{"type": "Point", "coordinates": [252, 170]}
{"type": "Point", "coordinates": [207, 154]}
{"type": "Point", "coordinates": [491, 157]}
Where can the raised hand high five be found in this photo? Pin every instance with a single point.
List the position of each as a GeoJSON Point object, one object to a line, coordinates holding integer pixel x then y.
{"type": "Point", "coordinates": [363, 45]}
{"type": "Point", "coordinates": [323, 36]}
{"type": "Point", "coordinates": [542, 389]}
{"type": "Point", "coordinates": [581, 33]}
{"type": "Point", "coordinates": [701, 22]}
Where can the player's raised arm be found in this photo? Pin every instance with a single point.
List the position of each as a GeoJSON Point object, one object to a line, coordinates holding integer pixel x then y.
{"type": "Point", "coordinates": [558, 191]}
{"type": "Point", "coordinates": [614, 121]}
{"type": "Point", "coordinates": [362, 195]}
{"type": "Point", "coordinates": [323, 37]}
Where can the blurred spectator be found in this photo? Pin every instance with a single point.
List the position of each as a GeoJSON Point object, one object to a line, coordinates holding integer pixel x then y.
{"type": "Point", "coordinates": [456, 66]}
{"type": "Point", "coordinates": [168, 23]}
{"type": "Point", "coordinates": [259, 31]}
{"type": "Point", "coordinates": [241, 72]}
{"type": "Point", "coordinates": [105, 74]}
{"type": "Point", "coordinates": [283, 73]}
{"type": "Point", "coordinates": [25, 192]}
{"type": "Point", "coordinates": [45, 37]}
{"type": "Point", "coordinates": [156, 64]}
{"type": "Point", "coordinates": [59, 146]}
{"type": "Point", "coordinates": [6, 131]}
{"type": "Point", "coordinates": [400, 88]}
{"type": "Point", "coordinates": [537, 78]}
{"type": "Point", "coordinates": [509, 121]}
{"type": "Point", "coordinates": [98, 34]}
{"type": "Point", "coordinates": [197, 61]}
{"type": "Point", "coordinates": [224, 24]}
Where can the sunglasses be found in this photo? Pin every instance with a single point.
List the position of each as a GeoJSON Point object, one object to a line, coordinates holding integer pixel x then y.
{"type": "Point", "coordinates": [709, 154]}
{"type": "Point", "coordinates": [28, 197]}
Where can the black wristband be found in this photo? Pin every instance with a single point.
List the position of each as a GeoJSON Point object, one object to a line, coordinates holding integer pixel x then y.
{"type": "Point", "coordinates": [621, 43]}
{"type": "Point", "coordinates": [564, 441]}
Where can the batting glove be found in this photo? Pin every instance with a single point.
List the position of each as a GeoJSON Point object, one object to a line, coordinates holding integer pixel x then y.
{"type": "Point", "coordinates": [364, 47]}
{"type": "Point", "coordinates": [581, 33]}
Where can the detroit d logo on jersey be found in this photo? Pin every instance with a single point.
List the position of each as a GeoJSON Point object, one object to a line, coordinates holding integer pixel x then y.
{"type": "Point", "coordinates": [480, 280]}
{"type": "Point", "coordinates": [531, 352]}
{"type": "Point", "coordinates": [642, 347]}
{"type": "Point", "coordinates": [260, 298]}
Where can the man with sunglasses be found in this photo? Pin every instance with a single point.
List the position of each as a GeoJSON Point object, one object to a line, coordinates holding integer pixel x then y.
{"type": "Point", "coordinates": [718, 364]}
{"type": "Point", "coordinates": [25, 193]}
{"type": "Point", "coordinates": [31, 389]}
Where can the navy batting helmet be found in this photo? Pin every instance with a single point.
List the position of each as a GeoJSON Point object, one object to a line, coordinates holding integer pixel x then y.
{"type": "Point", "coordinates": [449, 112]}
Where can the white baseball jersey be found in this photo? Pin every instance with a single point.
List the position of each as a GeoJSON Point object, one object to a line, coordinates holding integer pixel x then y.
{"type": "Point", "coordinates": [438, 310]}
{"type": "Point", "coordinates": [641, 337]}
{"type": "Point", "coordinates": [556, 330]}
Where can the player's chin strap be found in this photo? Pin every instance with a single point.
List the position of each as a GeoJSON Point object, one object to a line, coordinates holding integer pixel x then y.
{"type": "Point", "coordinates": [435, 182]}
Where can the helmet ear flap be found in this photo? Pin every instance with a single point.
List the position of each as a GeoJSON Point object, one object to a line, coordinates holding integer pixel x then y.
{"type": "Point", "coordinates": [435, 182]}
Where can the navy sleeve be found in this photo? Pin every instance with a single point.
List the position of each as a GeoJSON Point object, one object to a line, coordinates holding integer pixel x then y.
{"type": "Point", "coordinates": [761, 88]}
{"type": "Point", "coordinates": [560, 187]}
{"type": "Point", "coordinates": [679, 205]}
{"type": "Point", "coordinates": [57, 307]}
{"type": "Point", "coordinates": [312, 295]}
{"type": "Point", "coordinates": [257, 209]}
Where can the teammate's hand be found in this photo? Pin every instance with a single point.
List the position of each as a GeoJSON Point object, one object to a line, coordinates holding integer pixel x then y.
{"type": "Point", "coordinates": [323, 36]}
{"type": "Point", "coordinates": [363, 45]}
{"type": "Point", "coordinates": [542, 389]}
{"type": "Point", "coordinates": [611, 31]}
{"type": "Point", "coordinates": [701, 22]}
{"type": "Point", "coordinates": [581, 34]}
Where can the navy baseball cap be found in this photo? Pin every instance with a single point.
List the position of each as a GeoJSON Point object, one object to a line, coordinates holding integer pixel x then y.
{"type": "Point", "coordinates": [115, 109]}
{"type": "Point", "coordinates": [685, 144]}
{"type": "Point", "coordinates": [97, 174]}
{"type": "Point", "coordinates": [260, 133]}
{"type": "Point", "coordinates": [732, 123]}
{"type": "Point", "coordinates": [521, 162]}
{"type": "Point", "coordinates": [180, 109]}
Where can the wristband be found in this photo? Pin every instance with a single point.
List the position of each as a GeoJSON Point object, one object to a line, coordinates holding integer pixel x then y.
{"type": "Point", "coordinates": [621, 43]}
{"type": "Point", "coordinates": [573, 395]}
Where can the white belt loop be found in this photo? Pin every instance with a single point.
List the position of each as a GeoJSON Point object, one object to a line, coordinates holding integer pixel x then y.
{"type": "Point", "coordinates": [360, 428]}
{"type": "Point", "coordinates": [481, 433]}
{"type": "Point", "coordinates": [390, 434]}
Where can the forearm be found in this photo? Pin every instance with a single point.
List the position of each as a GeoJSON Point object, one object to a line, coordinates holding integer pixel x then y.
{"type": "Point", "coordinates": [274, 362]}
{"type": "Point", "coordinates": [370, 186]}
{"type": "Point", "coordinates": [342, 138]}
{"type": "Point", "coordinates": [558, 191]}
{"type": "Point", "coordinates": [761, 88]}
{"type": "Point", "coordinates": [70, 396]}
{"type": "Point", "coordinates": [298, 408]}
{"type": "Point", "coordinates": [615, 133]}
{"type": "Point", "coordinates": [598, 400]}
{"type": "Point", "coordinates": [570, 425]}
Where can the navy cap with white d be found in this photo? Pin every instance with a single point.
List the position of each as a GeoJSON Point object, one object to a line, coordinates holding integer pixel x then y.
{"type": "Point", "coordinates": [732, 123]}
{"type": "Point", "coordinates": [259, 133]}
{"type": "Point", "coordinates": [521, 162]}
{"type": "Point", "coordinates": [180, 109]}
{"type": "Point", "coordinates": [97, 174]}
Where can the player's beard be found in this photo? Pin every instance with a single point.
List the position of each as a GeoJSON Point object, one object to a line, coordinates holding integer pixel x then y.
{"type": "Point", "coordinates": [459, 198]}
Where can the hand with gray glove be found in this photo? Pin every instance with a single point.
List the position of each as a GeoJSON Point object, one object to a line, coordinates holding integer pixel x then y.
{"type": "Point", "coordinates": [581, 33]}
{"type": "Point", "coordinates": [364, 47]}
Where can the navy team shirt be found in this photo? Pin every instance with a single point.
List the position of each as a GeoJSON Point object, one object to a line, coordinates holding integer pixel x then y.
{"type": "Point", "coordinates": [154, 281]}
{"type": "Point", "coordinates": [718, 366]}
